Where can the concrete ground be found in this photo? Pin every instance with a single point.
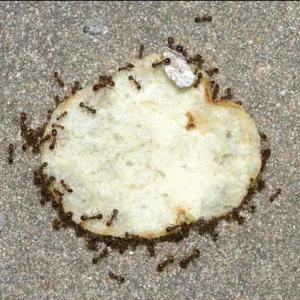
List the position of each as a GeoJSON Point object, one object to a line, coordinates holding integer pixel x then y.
{"type": "Point", "coordinates": [255, 45]}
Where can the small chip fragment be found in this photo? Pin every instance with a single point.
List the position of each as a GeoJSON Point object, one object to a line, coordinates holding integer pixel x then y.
{"type": "Point", "coordinates": [178, 71]}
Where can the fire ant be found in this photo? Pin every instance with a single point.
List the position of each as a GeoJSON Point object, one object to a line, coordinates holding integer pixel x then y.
{"type": "Point", "coordinates": [62, 115]}
{"type": "Point", "coordinates": [102, 254]}
{"type": "Point", "coordinates": [181, 50]}
{"type": "Point", "coordinates": [141, 51]}
{"type": "Point", "coordinates": [113, 217]}
{"type": "Point", "coordinates": [53, 143]}
{"type": "Point", "coordinates": [65, 186]}
{"type": "Point", "coordinates": [91, 109]}
{"type": "Point", "coordinates": [170, 42]}
{"type": "Point", "coordinates": [215, 89]}
{"type": "Point", "coordinates": [166, 61]}
{"type": "Point", "coordinates": [57, 126]}
{"type": "Point", "coordinates": [212, 71]}
{"type": "Point", "coordinates": [75, 88]}
{"type": "Point", "coordinates": [275, 195]}
{"type": "Point", "coordinates": [137, 83]}
{"type": "Point", "coordinates": [10, 153]}
{"type": "Point", "coordinates": [228, 94]}
{"type": "Point", "coordinates": [205, 18]}
{"type": "Point", "coordinates": [120, 279]}
{"type": "Point", "coordinates": [97, 216]}
{"type": "Point", "coordinates": [58, 79]}
{"type": "Point", "coordinates": [127, 67]}
{"type": "Point", "coordinates": [185, 261]}
{"type": "Point", "coordinates": [161, 266]}
{"type": "Point", "coordinates": [196, 83]}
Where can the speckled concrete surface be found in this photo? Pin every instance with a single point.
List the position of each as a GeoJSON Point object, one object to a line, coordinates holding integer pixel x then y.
{"type": "Point", "coordinates": [255, 45]}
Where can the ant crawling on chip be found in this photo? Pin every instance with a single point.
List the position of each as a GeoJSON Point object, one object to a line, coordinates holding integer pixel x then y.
{"type": "Point", "coordinates": [112, 218]}
{"type": "Point", "coordinates": [135, 82]}
{"type": "Point", "coordinates": [166, 61]}
{"type": "Point", "coordinates": [93, 217]}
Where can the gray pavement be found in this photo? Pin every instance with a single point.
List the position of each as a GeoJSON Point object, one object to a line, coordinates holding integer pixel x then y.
{"type": "Point", "coordinates": [255, 45]}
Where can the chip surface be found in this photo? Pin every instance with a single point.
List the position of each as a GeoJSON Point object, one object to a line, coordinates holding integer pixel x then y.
{"type": "Point", "coordinates": [160, 155]}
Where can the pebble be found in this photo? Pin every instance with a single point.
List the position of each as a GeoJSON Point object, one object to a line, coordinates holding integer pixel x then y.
{"type": "Point", "coordinates": [95, 28]}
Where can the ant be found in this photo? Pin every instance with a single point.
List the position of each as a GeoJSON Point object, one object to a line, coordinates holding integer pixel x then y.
{"type": "Point", "coordinates": [203, 19]}
{"type": "Point", "coordinates": [65, 186]}
{"type": "Point", "coordinates": [53, 143]}
{"type": "Point", "coordinates": [161, 266]}
{"type": "Point", "coordinates": [275, 195]}
{"type": "Point", "coordinates": [102, 254]}
{"type": "Point", "coordinates": [196, 83]}
{"type": "Point", "coordinates": [181, 50]}
{"type": "Point", "coordinates": [166, 61]}
{"type": "Point", "coordinates": [59, 193]}
{"type": "Point", "coordinates": [212, 71]}
{"type": "Point", "coordinates": [215, 89]}
{"type": "Point", "coordinates": [265, 155]}
{"type": "Point", "coordinates": [113, 216]}
{"type": "Point", "coordinates": [228, 94]}
{"type": "Point", "coordinates": [58, 79]}
{"type": "Point", "coordinates": [185, 261]}
{"type": "Point", "coordinates": [75, 88]}
{"type": "Point", "coordinates": [103, 82]}
{"type": "Point", "coordinates": [23, 118]}
{"type": "Point", "coordinates": [10, 153]}
{"type": "Point", "coordinates": [120, 279]}
{"type": "Point", "coordinates": [56, 224]}
{"type": "Point", "coordinates": [141, 51]}
{"type": "Point", "coordinates": [57, 100]}
{"type": "Point", "coordinates": [170, 42]}
{"type": "Point", "coordinates": [263, 136]}
{"type": "Point", "coordinates": [172, 228]}
{"type": "Point", "coordinates": [85, 218]}
{"type": "Point", "coordinates": [137, 83]}
{"type": "Point", "coordinates": [62, 115]}
{"type": "Point", "coordinates": [91, 109]}
{"type": "Point", "coordinates": [127, 67]}
{"type": "Point", "coordinates": [57, 126]}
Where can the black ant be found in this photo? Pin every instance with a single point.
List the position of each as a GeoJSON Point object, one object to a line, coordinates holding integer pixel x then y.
{"type": "Point", "coordinates": [127, 67]}
{"type": "Point", "coordinates": [58, 79]}
{"type": "Point", "coordinates": [62, 115]}
{"type": "Point", "coordinates": [23, 118]}
{"type": "Point", "coordinates": [103, 82]}
{"type": "Point", "coordinates": [75, 88]}
{"type": "Point", "coordinates": [57, 126]}
{"type": "Point", "coordinates": [228, 94]}
{"type": "Point", "coordinates": [196, 83]}
{"type": "Point", "coordinates": [205, 18]}
{"type": "Point", "coordinates": [56, 224]}
{"type": "Point", "coordinates": [174, 227]}
{"type": "Point", "coordinates": [265, 155]}
{"type": "Point", "coordinates": [170, 42]}
{"type": "Point", "coordinates": [185, 261]}
{"type": "Point", "coordinates": [120, 279]}
{"type": "Point", "coordinates": [57, 100]}
{"type": "Point", "coordinates": [102, 254]}
{"type": "Point", "coordinates": [137, 83]}
{"type": "Point", "coordinates": [91, 109]}
{"type": "Point", "coordinates": [215, 89]}
{"type": "Point", "coordinates": [10, 153]}
{"type": "Point", "coordinates": [59, 193]}
{"type": "Point", "coordinates": [65, 186]}
{"type": "Point", "coordinates": [212, 71]}
{"type": "Point", "coordinates": [275, 195]}
{"type": "Point", "coordinates": [181, 50]}
{"type": "Point", "coordinates": [166, 61]}
{"type": "Point", "coordinates": [53, 143]}
{"type": "Point", "coordinates": [141, 51]}
{"type": "Point", "coordinates": [263, 136]}
{"type": "Point", "coordinates": [113, 216]}
{"type": "Point", "coordinates": [161, 266]}
{"type": "Point", "coordinates": [85, 218]}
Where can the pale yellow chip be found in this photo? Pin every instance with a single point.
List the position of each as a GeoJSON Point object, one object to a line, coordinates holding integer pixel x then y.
{"type": "Point", "coordinates": [161, 155]}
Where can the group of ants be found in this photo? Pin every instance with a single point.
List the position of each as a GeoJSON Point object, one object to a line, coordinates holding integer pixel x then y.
{"type": "Point", "coordinates": [35, 138]}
